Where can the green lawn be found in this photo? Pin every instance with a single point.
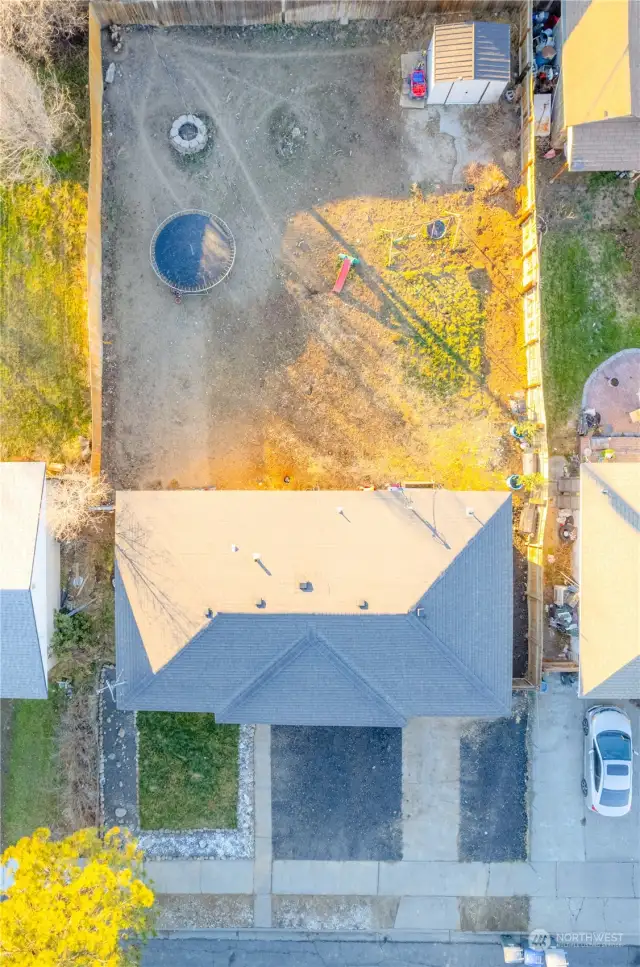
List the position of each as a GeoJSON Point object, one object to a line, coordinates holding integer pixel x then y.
{"type": "Point", "coordinates": [588, 313]}
{"type": "Point", "coordinates": [30, 792]}
{"type": "Point", "coordinates": [187, 771]}
{"type": "Point", "coordinates": [44, 393]}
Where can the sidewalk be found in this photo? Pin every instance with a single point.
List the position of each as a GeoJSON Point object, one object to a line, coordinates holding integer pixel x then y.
{"type": "Point", "coordinates": [562, 896]}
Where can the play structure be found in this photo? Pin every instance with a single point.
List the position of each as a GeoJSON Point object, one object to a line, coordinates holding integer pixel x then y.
{"type": "Point", "coordinates": [345, 268]}
{"type": "Point", "coordinates": [192, 251]}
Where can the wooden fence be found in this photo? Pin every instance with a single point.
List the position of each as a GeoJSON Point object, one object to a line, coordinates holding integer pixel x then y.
{"type": "Point", "coordinates": [533, 349]}
{"type": "Point", "coordinates": [94, 242]}
{"type": "Point", "coordinates": [230, 13]}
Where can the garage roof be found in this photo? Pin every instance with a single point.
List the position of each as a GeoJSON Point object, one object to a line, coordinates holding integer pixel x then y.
{"type": "Point", "coordinates": [472, 51]}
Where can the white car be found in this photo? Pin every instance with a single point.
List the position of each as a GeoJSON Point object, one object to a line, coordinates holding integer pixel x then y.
{"type": "Point", "coordinates": [608, 760]}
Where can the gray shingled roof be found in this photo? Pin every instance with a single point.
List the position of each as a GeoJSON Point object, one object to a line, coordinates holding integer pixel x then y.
{"type": "Point", "coordinates": [21, 670]}
{"type": "Point", "coordinates": [22, 674]}
{"type": "Point", "coordinates": [450, 654]}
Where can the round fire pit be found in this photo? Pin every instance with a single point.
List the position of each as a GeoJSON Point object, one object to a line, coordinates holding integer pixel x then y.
{"type": "Point", "coordinates": [192, 251]}
{"type": "Point", "coordinates": [188, 134]}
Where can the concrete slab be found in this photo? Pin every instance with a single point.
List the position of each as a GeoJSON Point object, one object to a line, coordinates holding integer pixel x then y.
{"type": "Point", "coordinates": [557, 805]}
{"type": "Point", "coordinates": [522, 879]}
{"type": "Point", "coordinates": [598, 879]}
{"type": "Point", "coordinates": [408, 63]}
{"type": "Point", "coordinates": [226, 876]}
{"type": "Point", "coordinates": [560, 827]}
{"type": "Point", "coordinates": [262, 916]}
{"type": "Point", "coordinates": [618, 839]}
{"type": "Point", "coordinates": [431, 788]}
{"type": "Point", "coordinates": [428, 913]}
{"type": "Point", "coordinates": [176, 876]}
{"type": "Point", "coordinates": [334, 878]}
{"type": "Point", "coordinates": [433, 879]}
{"type": "Point", "coordinates": [587, 917]}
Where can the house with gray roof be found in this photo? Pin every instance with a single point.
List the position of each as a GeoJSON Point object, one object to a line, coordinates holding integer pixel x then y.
{"type": "Point", "coordinates": [334, 608]}
{"type": "Point", "coordinates": [29, 581]}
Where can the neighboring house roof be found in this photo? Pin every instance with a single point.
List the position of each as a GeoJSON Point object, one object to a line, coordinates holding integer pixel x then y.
{"type": "Point", "coordinates": [22, 674]}
{"type": "Point", "coordinates": [600, 60]}
{"type": "Point", "coordinates": [605, 145]}
{"type": "Point", "coordinates": [600, 77]}
{"type": "Point", "coordinates": [407, 611]}
{"type": "Point", "coordinates": [471, 51]}
{"type": "Point", "coordinates": [610, 580]}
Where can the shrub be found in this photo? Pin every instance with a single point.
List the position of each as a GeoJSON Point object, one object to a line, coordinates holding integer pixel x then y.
{"type": "Point", "coordinates": [487, 179]}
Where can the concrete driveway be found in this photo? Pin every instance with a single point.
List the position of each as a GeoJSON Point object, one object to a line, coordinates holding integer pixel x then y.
{"type": "Point", "coordinates": [596, 855]}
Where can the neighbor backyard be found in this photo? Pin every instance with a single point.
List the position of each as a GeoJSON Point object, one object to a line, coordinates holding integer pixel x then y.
{"type": "Point", "coordinates": [590, 295]}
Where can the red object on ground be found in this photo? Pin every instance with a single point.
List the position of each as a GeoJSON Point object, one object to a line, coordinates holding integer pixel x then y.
{"type": "Point", "coordinates": [417, 84]}
{"type": "Point", "coordinates": [342, 275]}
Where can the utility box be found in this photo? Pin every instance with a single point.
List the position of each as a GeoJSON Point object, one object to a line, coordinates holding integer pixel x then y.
{"type": "Point", "coordinates": [468, 63]}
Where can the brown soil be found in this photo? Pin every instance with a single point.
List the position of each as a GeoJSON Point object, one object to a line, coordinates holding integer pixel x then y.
{"type": "Point", "coordinates": [271, 376]}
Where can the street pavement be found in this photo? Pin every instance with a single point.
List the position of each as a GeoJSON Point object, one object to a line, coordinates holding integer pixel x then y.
{"type": "Point", "coordinates": [355, 953]}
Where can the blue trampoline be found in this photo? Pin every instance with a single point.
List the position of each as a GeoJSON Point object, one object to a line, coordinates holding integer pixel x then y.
{"type": "Point", "coordinates": [191, 251]}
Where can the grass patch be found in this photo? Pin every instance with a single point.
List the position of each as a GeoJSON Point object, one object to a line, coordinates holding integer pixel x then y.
{"type": "Point", "coordinates": [188, 771]}
{"type": "Point", "coordinates": [44, 401]}
{"type": "Point", "coordinates": [30, 797]}
{"type": "Point", "coordinates": [582, 320]}
{"type": "Point", "coordinates": [71, 67]}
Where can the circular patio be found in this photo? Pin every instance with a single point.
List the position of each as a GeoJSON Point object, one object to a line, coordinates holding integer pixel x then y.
{"type": "Point", "coordinates": [613, 391]}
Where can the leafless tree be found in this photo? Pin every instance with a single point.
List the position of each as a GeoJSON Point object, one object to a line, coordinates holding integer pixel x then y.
{"type": "Point", "coordinates": [33, 115]}
{"type": "Point", "coordinates": [71, 501]}
{"type": "Point", "coordinates": [32, 26]}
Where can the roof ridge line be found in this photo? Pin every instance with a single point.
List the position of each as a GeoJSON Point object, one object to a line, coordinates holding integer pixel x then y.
{"type": "Point", "coordinates": [309, 639]}
{"type": "Point", "coordinates": [482, 530]}
{"type": "Point", "coordinates": [465, 671]}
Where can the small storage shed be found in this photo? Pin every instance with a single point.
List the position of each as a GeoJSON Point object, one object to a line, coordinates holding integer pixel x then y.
{"type": "Point", "coordinates": [468, 63]}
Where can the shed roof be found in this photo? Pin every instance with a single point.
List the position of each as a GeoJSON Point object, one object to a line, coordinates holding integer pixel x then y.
{"type": "Point", "coordinates": [471, 51]}
{"type": "Point", "coordinates": [610, 580]}
{"type": "Point", "coordinates": [408, 609]}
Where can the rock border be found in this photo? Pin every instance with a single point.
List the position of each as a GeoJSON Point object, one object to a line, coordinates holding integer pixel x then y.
{"type": "Point", "coordinates": [188, 145]}
{"type": "Point", "coordinates": [167, 844]}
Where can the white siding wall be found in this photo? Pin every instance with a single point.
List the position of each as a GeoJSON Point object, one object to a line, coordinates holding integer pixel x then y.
{"type": "Point", "coordinates": [439, 93]}
{"type": "Point", "coordinates": [466, 92]}
{"type": "Point", "coordinates": [493, 92]}
{"type": "Point", "coordinates": [39, 578]}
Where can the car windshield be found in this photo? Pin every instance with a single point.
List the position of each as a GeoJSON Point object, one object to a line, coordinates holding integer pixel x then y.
{"type": "Point", "coordinates": [614, 797]}
{"type": "Point", "coordinates": [615, 745]}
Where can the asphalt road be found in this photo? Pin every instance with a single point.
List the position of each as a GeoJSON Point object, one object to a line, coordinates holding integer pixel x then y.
{"type": "Point", "coordinates": [355, 953]}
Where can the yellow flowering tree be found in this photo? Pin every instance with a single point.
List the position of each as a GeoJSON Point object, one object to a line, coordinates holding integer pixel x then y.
{"type": "Point", "coordinates": [79, 900]}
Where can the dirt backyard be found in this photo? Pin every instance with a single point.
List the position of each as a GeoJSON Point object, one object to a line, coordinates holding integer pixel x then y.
{"type": "Point", "coordinates": [270, 379]}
